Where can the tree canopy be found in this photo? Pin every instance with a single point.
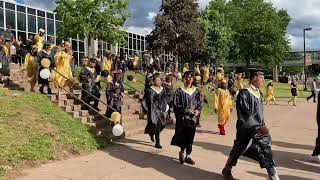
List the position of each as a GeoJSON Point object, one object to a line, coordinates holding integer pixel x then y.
{"type": "Point", "coordinates": [177, 29]}
{"type": "Point", "coordinates": [102, 19]}
{"type": "Point", "coordinates": [245, 31]}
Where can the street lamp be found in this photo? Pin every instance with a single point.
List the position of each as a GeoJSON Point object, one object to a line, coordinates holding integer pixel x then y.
{"type": "Point", "coordinates": [304, 56]}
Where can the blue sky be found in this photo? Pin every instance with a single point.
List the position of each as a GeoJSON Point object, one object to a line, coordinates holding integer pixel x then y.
{"type": "Point", "coordinates": [304, 13]}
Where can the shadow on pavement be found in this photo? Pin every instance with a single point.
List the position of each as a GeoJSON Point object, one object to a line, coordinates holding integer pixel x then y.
{"type": "Point", "coordinates": [282, 158]}
{"type": "Point", "coordinates": [282, 177]}
{"type": "Point", "coordinates": [293, 146]}
{"type": "Point", "coordinates": [163, 164]}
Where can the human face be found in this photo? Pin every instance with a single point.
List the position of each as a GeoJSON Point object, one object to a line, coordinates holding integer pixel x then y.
{"type": "Point", "coordinates": [259, 80]}
{"type": "Point", "coordinates": [188, 79]}
{"type": "Point", "coordinates": [92, 64]}
{"type": "Point", "coordinates": [157, 81]}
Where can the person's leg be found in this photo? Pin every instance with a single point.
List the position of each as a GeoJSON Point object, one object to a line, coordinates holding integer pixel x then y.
{"type": "Point", "coordinates": [295, 100]}
{"type": "Point", "coordinates": [190, 137]}
{"type": "Point", "coordinates": [157, 135]}
{"type": "Point", "coordinates": [272, 173]}
{"type": "Point", "coordinates": [314, 96]}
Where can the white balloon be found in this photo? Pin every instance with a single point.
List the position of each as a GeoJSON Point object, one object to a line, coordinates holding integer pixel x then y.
{"type": "Point", "coordinates": [45, 73]}
{"type": "Point", "coordinates": [117, 130]}
{"type": "Point", "coordinates": [179, 76]}
{"type": "Point", "coordinates": [0, 65]}
{"type": "Point", "coordinates": [167, 108]}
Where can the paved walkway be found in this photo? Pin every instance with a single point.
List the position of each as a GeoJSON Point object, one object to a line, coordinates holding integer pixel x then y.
{"type": "Point", "coordinates": [292, 128]}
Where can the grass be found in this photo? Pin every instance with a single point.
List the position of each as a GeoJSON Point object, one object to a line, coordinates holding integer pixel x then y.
{"type": "Point", "coordinates": [34, 131]}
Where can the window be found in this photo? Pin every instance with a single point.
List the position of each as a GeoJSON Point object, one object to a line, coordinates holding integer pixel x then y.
{"type": "Point", "coordinates": [41, 23]}
{"type": "Point", "coordinates": [10, 18]}
{"type": "Point", "coordinates": [1, 17]}
{"type": "Point", "coordinates": [108, 46]}
{"type": "Point", "coordinates": [81, 46]}
{"type": "Point", "coordinates": [138, 44]}
{"type": "Point", "coordinates": [104, 45]}
{"type": "Point", "coordinates": [1, 3]}
{"type": "Point", "coordinates": [130, 35]}
{"type": "Point", "coordinates": [50, 27]}
{"type": "Point", "coordinates": [10, 6]}
{"type": "Point", "coordinates": [130, 43]}
{"type": "Point", "coordinates": [134, 44]}
{"type": "Point", "coordinates": [81, 55]}
{"type": "Point", "coordinates": [58, 17]}
{"type": "Point", "coordinates": [31, 35]}
{"type": "Point", "coordinates": [138, 37]}
{"type": "Point", "coordinates": [41, 13]}
{"type": "Point", "coordinates": [32, 23]}
{"type": "Point", "coordinates": [99, 45]}
{"type": "Point", "coordinates": [57, 25]}
{"type": "Point", "coordinates": [21, 21]}
{"type": "Point", "coordinates": [31, 11]}
{"type": "Point", "coordinates": [74, 45]}
{"type": "Point", "coordinates": [134, 36]}
{"type": "Point", "coordinates": [21, 8]}
{"type": "Point", "coordinates": [50, 15]}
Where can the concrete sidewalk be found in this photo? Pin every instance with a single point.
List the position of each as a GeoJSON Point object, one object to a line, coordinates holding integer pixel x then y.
{"type": "Point", "coordinates": [293, 130]}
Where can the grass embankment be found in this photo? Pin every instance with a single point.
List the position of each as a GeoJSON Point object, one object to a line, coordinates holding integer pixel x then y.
{"type": "Point", "coordinates": [34, 131]}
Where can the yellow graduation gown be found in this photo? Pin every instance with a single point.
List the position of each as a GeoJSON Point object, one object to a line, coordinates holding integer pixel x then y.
{"type": "Point", "coordinates": [63, 63]}
{"type": "Point", "coordinates": [269, 93]}
{"type": "Point", "coordinates": [240, 84]}
{"type": "Point", "coordinates": [223, 105]}
{"type": "Point", "coordinates": [206, 74]}
{"type": "Point", "coordinates": [197, 70]}
{"type": "Point", "coordinates": [218, 79]}
{"type": "Point", "coordinates": [39, 40]}
{"type": "Point", "coordinates": [185, 69]}
{"type": "Point", "coordinates": [107, 64]}
{"type": "Point", "coordinates": [31, 65]}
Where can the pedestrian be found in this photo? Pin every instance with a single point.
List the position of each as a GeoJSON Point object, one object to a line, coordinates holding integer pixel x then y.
{"type": "Point", "coordinates": [270, 94]}
{"type": "Point", "coordinates": [114, 94]}
{"type": "Point", "coordinates": [316, 151]}
{"type": "Point", "coordinates": [187, 106]}
{"type": "Point", "coordinates": [157, 108]}
{"type": "Point", "coordinates": [294, 93]}
{"type": "Point", "coordinates": [223, 106]}
{"type": "Point", "coordinates": [313, 90]}
{"type": "Point", "coordinates": [253, 139]}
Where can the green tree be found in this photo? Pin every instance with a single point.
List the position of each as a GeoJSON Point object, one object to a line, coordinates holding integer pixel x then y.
{"type": "Point", "coordinates": [218, 32]}
{"type": "Point", "coordinates": [260, 32]}
{"type": "Point", "coordinates": [177, 29]}
{"type": "Point", "coordinates": [102, 19]}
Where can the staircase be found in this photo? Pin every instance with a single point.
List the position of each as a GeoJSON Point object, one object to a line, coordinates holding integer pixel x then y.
{"type": "Point", "coordinates": [67, 102]}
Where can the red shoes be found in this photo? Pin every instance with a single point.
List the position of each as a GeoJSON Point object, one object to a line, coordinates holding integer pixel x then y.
{"type": "Point", "coordinates": [221, 129]}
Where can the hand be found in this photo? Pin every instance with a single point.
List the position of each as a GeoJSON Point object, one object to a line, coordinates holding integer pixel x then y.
{"type": "Point", "coordinates": [263, 130]}
{"type": "Point", "coordinates": [196, 113]}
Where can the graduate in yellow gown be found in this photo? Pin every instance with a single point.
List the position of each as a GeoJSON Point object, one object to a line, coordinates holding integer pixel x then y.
{"type": "Point", "coordinates": [107, 65]}
{"type": "Point", "coordinates": [185, 67]}
{"type": "Point", "coordinates": [240, 82]}
{"type": "Point", "coordinates": [32, 68]}
{"type": "Point", "coordinates": [39, 39]}
{"type": "Point", "coordinates": [270, 94]}
{"type": "Point", "coordinates": [197, 69]}
{"type": "Point", "coordinates": [136, 61]}
{"type": "Point", "coordinates": [223, 106]}
{"type": "Point", "coordinates": [219, 78]}
{"type": "Point", "coordinates": [206, 74]}
{"type": "Point", "coordinates": [63, 62]}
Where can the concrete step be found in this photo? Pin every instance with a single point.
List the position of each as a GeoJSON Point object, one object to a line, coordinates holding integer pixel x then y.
{"type": "Point", "coordinates": [130, 133]}
{"type": "Point", "coordinates": [69, 102]}
{"type": "Point", "coordinates": [84, 113]}
{"type": "Point", "coordinates": [75, 114]}
{"type": "Point", "coordinates": [129, 125]}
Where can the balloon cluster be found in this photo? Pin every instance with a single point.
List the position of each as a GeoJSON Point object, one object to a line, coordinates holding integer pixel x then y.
{"type": "Point", "coordinates": [45, 73]}
{"type": "Point", "coordinates": [117, 129]}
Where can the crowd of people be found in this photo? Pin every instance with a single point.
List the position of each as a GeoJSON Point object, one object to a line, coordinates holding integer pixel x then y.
{"type": "Point", "coordinates": [252, 140]}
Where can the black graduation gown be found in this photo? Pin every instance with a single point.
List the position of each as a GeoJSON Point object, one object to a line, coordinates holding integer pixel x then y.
{"type": "Point", "coordinates": [316, 151]}
{"type": "Point", "coordinates": [114, 98]}
{"type": "Point", "coordinates": [42, 54]}
{"type": "Point", "coordinates": [182, 103]}
{"type": "Point", "coordinates": [87, 78]}
{"type": "Point", "coordinates": [156, 103]}
{"type": "Point", "coordinates": [250, 118]}
{"type": "Point", "coordinates": [170, 93]}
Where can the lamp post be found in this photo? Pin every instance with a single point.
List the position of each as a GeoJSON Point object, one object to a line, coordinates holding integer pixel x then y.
{"type": "Point", "coordinates": [304, 56]}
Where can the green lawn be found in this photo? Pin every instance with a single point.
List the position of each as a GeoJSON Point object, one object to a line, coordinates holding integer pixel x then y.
{"type": "Point", "coordinates": [33, 130]}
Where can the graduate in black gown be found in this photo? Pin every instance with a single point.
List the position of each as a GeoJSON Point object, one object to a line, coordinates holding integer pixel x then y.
{"type": "Point", "coordinates": [187, 105]}
{"type": "Point", "coordinates": [316, 151]}
{"type": "Point", "coordinates": [45, 53]}
{"type": "Point", "coordinates": [253, 139]}
{"type": "Point", "coordinates": [88, 78]}
{"type": "Point", "coordinates": [156, 102]}
{"type": "Point", "coordinates": [168, 86]}
{"type": "Point", "coordinates": [114, 94]}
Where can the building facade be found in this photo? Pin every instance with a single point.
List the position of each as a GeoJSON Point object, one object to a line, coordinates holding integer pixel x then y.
{"type": "Point", "coordinates": [26, 21]}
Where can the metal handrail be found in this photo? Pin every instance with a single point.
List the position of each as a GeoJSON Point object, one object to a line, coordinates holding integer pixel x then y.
{"type": "Point", "coordinates": [88, 105]}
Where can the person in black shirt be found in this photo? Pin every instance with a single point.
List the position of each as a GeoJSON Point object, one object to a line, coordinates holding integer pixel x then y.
{"type": "Point", "coordinates": [294, 93]}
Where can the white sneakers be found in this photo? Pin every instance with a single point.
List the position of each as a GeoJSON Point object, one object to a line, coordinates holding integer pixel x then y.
{"type": "Point", "coordinates": [315, 159]}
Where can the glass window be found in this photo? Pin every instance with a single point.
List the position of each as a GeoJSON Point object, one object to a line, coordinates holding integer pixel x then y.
{"type": "Point", "coordinates": [74, 45]}
{"type": "Point", "coordinates": [21, 21]}
{"type": "Point", "coordinates": [1, 3]}
{"type": "Point", "coordinates": [130, 52]}
{"type": "Point", "coordinates": [130, 35]}
{"type": "Point", "coordinates": [50, 15]}
{"type": "Point", "coordinates": [134, 36]}
{"type": "Point", "coordinates": [99, 45]}
{"type": "Point", "coordinates": [138, 45]}
{"type": "Point", "coordinates": [58, 17]}
{"type": "Point", "coordinates": [41, 13]}
{"type": "Point", "coordinates": [10, 6]}
{"type": "Point", "coordinates": [130, 43]}
{"type": "Point", "coordinates": [31, 11]}
{"type": "Point", "coordinates": [81, 46]}
{"type": "Point", "coordinates": [32, 23]}
{"type": "Point", "coordinates": [142, 47]}
{"type": "Point", "coordinates": [1, 18]}
{"type": "Point", "coordinates": [50, 27]}
{"type": "Point", "coordinates": [138, 37]}
{"type": "Point", "coordinates": [81, 55]}
{"type": "Point", "coordinates": [58, 40]}
{"type": "Point", "coordinates": [21, 8]}
{"type": "Point", "coordinates": [22, 36]}
{"type": "Point", "coordinates": [58, 23]}
{"type": "Point", "coordinates": [41, 23]}
{"type": "Point", "coordinates": [134, 44]}
{"type": "Point", "coordinates": [108, 46]}
{"type": "Point", "coordinates": [10, 18]}
{"type": "Point", "coordinates": [104, 45]}
{"type": "Point", "coordinates": [75, 57]}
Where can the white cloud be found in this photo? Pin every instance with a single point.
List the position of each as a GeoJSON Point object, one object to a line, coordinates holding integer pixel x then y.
{"type": "Point", "coordinates": [139, 30]}
{"type": "Point", "coordinates": [151, 16]}
{"type": "Point", "coordinates": [203, 3]}
{"type": "Point", "coordinates": [49, 5]}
